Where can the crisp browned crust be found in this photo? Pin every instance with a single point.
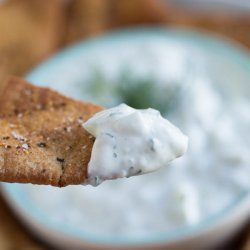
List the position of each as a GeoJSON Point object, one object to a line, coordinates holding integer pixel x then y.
{"type": "Point", "coordinates": [42, 140]}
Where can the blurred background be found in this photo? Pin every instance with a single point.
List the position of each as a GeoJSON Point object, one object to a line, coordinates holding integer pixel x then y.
{"type": "Point", "coordinates": [32, 30]}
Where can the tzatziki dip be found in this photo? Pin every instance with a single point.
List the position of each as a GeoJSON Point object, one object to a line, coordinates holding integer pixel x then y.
{"type": "Point", "coordinates": [131, 142]}
{"type": "Point", "coordinates": [212, 173]}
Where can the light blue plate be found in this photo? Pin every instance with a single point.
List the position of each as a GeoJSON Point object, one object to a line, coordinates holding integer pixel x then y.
{"type": "Point", "coordinates": [187, 53]}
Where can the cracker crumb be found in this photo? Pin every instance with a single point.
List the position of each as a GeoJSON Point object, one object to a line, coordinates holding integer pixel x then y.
{"type": "Point", "coordinates": [80, 121]}
{"type": "Point", "coordinates": [12, 125]}
{"type": "Point", "coordinates": [28, 92]}
{"type": "Point", "coordinates": [39, 106]}
{"type": "Point", "coordinates": [68, 148]}
{"type": "Point", "coordinates": [67, 129]}
{"type": "Point", "coordinates": [26, 151]}
{"type": "Point", "coordinates": [18, 136]}
{"type": "Point", "coordinates": [69, 119]}
{"type": "Point", "coordinates": [25, 146]}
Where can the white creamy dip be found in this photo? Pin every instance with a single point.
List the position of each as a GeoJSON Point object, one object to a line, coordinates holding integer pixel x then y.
{"type": "Point", "coordinates": [131, 142]}
{"type": "Point", "coordinates": [209, 177]}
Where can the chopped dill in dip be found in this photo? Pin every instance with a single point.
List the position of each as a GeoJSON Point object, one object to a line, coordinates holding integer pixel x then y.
{"type": "Point", "coordinates": [131, 142]}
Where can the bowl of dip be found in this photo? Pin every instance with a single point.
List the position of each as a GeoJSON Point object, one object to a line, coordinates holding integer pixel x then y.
{"type": "Point", "coordinates": [200, 83]}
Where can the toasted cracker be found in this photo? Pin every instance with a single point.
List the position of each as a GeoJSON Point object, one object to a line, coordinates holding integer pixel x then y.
{"type": "Point", "coordinates": [42, 140]}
